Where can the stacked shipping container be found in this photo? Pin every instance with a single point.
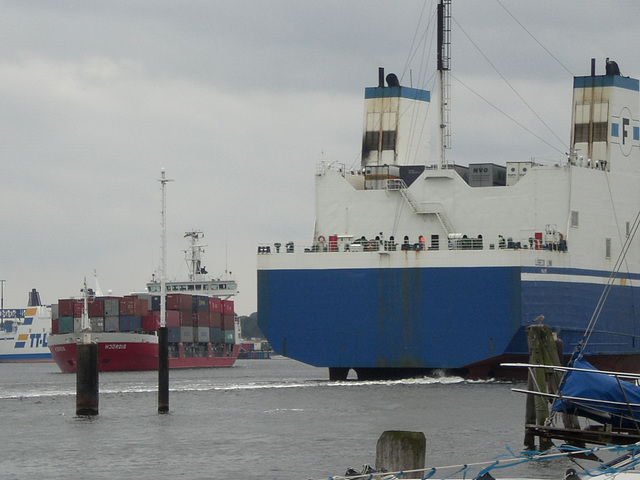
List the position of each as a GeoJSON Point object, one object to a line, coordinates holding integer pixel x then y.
{"type": "Point", "coordinates": [190, 318]}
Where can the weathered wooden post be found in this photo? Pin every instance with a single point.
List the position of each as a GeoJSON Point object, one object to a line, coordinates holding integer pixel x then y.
{"type": "Point", "coordinates": [401, 451]}
{"type": "Point", "coordinates": [86, 364]}
{"type": "Point", "coordinates": [163, 370]}
{"type": "Point", "coordinates": [87, 378]}
{"type": "Point", "coordinates": [544, 349]}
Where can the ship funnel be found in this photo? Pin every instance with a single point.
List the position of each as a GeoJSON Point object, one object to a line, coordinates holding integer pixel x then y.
{"type": "Point", "coordinates": [606, 120]}
{"type": "Point", "coordinates": [395, 126]}
{"type": "Point", "coordinates": [392, 80]}
{"type": "Point", "coordinates": [34, 299]}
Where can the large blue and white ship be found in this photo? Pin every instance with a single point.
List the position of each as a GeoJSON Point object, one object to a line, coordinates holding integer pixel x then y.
{"type": "Point", "coordinates": [24, 332]}
{"type": "Point", "coordinates": [418, 265]}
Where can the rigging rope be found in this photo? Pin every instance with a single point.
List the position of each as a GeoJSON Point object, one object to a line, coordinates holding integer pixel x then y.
{"type": "Point", "coordinates": [511, 86]}
{"type": "Point", "coordinates": [505, 114]}
{"type": "Point", "coordinates": [606, 290]}
{"type": "Point", "coordinates": [535, 39]}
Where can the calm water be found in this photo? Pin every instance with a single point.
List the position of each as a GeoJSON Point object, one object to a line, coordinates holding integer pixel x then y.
{"type": "Point", "coordinates": [261, 419]}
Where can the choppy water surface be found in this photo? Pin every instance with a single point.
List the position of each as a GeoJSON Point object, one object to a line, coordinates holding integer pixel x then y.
{"type": "Point", "coordinates": [261, 419]}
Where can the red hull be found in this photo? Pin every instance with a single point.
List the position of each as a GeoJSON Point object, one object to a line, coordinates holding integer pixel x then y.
{"type": "Point", "coordinates": [116, 357]}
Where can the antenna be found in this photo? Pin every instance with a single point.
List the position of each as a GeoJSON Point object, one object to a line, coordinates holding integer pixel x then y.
{"type": "Point", "coordinates": [444, 83]}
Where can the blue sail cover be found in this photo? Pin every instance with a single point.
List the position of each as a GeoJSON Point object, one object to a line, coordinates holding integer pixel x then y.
{"type": "Point", "coordinates": [619, 401]}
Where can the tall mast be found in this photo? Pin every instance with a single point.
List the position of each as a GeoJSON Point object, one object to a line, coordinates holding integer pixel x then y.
{"type": "Point", "coordinates": [444, 63]}
{"type": "Point", "coordinates": [193, 256]}
{"type": "Point", "coordinates": [163, 282]}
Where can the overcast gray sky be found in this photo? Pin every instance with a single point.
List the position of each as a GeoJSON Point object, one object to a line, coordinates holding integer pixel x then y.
{"type": "Point", "coordinates": [239, 101]}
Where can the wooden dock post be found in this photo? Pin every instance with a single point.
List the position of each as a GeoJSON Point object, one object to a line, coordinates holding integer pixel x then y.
{"type": "Point", "coordinates": [87, 379]}
{"type": "Point", "coordinates": [163, 370]}
{"type": "Point", "coordinates": [544, 349]}
{"type": "Point", "coordinates": [401, 451]}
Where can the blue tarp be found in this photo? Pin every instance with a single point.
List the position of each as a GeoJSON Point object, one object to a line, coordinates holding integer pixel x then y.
{"type": "Point", "coordinates": [598, 386]}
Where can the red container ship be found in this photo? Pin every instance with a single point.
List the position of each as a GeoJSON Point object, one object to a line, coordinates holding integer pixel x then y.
{"type": "Point", "coordinates": [200, 319]}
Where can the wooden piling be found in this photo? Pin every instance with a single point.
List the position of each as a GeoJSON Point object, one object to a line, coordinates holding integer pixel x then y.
{"type": "Point", "coordinates": [544, 349]}
{"type": "Point", "coordinates": [87, 379]}
{"type": "Point", "coordinates": [401, 451]}
{"type": "Point", "coordinates": [163, 370]}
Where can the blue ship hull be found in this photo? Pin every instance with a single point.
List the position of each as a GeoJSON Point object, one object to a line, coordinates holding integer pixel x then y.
{"type": "Point", "coordinates": [26, 358]}
{"type": "Point", "coordinates": [385, 322]}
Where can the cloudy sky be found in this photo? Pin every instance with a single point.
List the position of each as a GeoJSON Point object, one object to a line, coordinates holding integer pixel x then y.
{"type": "Point", "coordinates": [239, 101]}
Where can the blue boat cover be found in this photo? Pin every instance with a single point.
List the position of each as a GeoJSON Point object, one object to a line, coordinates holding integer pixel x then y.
{"type": "Point", "coordinates": [619, 401]}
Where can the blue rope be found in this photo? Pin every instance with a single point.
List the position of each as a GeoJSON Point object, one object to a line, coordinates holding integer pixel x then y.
{"type": "Point", "coordinates": [487, 469]}
{"type": "Point", "coordinates": [430, 474]}
{"type": "Point", "coordinates": [463, 469]}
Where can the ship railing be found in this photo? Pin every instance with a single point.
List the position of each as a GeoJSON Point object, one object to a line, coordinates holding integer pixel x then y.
{"type": "Point", "coordinates": [399, 185]}
{"type": "Point", "coordinates": [454, 242]}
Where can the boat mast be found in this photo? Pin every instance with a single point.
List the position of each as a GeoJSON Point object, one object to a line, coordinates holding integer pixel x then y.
{"type": "Point", "coordinates": [193, 256]}
{"type": "Point", "coordinates": [163, 287]}
{"type": "Point", "coordinates": [444, 62]}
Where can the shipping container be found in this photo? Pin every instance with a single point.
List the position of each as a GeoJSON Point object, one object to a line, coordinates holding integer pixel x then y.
{"type": "Point", "coordinates": [150, 323]}
{"type": "Point", "coordinates": [463, 171]}
{"type": "Point", "coordinates": [111, 323]}
{"type": "Point", "coordinates": [78, 308]}
{"type": "Point", "coordinates": [215, 335]}
{"type": "Point", "coordinates": [186, 334]}
{"type": "Point", "coordinates": [201, 319]}
{"type": "Point", "coordinates": [203, 334]}
{"type": "Point", "coordinates": [96, 308]}
{"type": "Point", "coordinates": [55, 312]}
{"type": "Point", "coordinates": [146, 301]}
{"type": "Point", "coordinates": [229, 336]}
{"type": "Point", "coordinates": [186, 318]}
{"type": "Point", "coordinates": [200, 303]}
{"type": "Point", "coordinates": [65, 307]}
{"type": "Point", "coordinates": [173, 334]}
{"type": "Point", "coordinates": [215, 319]}
{"type": "Point", "coordinates": [409, 173]}
{"type": "Point", "coordinates": [65, 324]}
{"type": "Point", "coordinates": [173, 318]}
{"type": "Point", "coordinates": [133, 306]}
{"type": "Point", "coordinates": [215, 305]}
{"type": "Point", "coordinates": [111, 307]}
{"type": "Point", "coordinates": [77, 324]}
{"type": "Point", "coordinates": [227, 307]}
{"type": "Point", "coordinates": [54, 326]}
{"type": "Point", "coordinates": [129, 323]}
{"type": "Point", "coordinates": [179, 301]}
{"type": "Point", "coordinates": [524, 167]}
{"type": "Point", "coordinates": [513, 174]}
{"type": "Point", "coordinates": [487, 175]}
{"type": "Point", "coordinates": [227, 322]}
{"type": "Point", "coordinates": [155, 302]}
{"type": "Point", "coordinates": [97, 324]}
